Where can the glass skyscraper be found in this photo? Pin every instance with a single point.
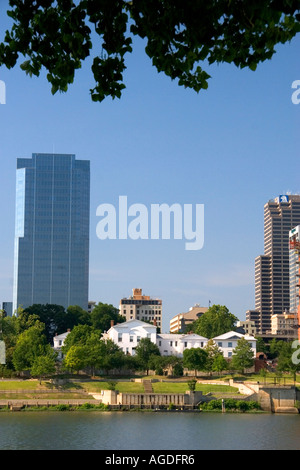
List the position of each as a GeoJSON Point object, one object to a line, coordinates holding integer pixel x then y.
{"type": "Point", "coordinates": [272, 287]}
{"type": "Point", "coordinates": [52, 231]}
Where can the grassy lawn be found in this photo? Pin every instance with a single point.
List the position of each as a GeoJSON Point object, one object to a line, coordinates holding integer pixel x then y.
{"type": "Point", "coordinates": [124, 387]}
{"type": "Point", "coordinates": [22, 385]}
{"type": "Point", "coordinates": [168, 387]}
{"type": "Point", "coordinates": [41, 396]}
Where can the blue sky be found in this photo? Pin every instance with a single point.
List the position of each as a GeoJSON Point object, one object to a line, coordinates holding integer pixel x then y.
{"type": "Point", "coordinates": [232, 148]}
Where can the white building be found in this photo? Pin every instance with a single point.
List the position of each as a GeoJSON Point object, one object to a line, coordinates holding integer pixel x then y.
{"type": "Point", "coordinates": [127, 335]}
{"type": "Point", "coordinates": [228, 342]}
{"type": "Point", "coordinates": [58, 342]}
{"type": "Point", "coordinates": [174, 345]}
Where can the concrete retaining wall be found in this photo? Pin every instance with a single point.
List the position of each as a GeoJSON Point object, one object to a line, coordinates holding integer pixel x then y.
{"type": "Point", "coordinates": [113, 397]}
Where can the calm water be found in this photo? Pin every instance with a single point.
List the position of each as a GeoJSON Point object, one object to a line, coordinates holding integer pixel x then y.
{"type": "Point", "coordinates": [147, 431]}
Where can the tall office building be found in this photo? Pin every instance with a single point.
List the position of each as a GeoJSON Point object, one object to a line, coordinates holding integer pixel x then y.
{"type": "Point", "coordinates": [294, 238]}
{"type": "Point", "coordinates": [272, 291]}
{"type": "Point", "coordinates": [52, 231]}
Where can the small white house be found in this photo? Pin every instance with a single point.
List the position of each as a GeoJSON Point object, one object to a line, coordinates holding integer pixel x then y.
{"type": "Point", "coordinates": [58, 342]}
{"type": "Point", "coordinates": [228, 342]}
{"type": "Point", "coordinates": [174, 345]}
{"type": "Point", "coordinates": [127, 335]}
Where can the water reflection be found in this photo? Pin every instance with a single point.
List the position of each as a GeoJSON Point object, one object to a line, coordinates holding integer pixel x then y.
{"type": "Point", "coordinates": [147, 431]}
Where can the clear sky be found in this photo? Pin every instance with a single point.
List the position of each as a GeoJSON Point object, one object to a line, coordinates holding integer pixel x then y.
{"type": "Point", "coordinates": [232, 148]}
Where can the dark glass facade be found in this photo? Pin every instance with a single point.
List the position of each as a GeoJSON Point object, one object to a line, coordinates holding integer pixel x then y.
{"type": "Point", "coordinates": [52, 231]}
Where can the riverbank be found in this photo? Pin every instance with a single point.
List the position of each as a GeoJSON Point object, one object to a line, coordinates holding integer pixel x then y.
{"type": "Point", "coordinates": [172, 395]}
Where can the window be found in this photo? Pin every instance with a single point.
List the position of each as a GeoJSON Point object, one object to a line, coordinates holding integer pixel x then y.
{"type": "Point", "coordinates": [230, 344]}
{"type": "Point", "coordinates": [185, 344]}
{"type": "Point", "coordinates": [138, 339]}
{"type": "Point", "coordinates": [159, 343]}
{"type": "Point", "coordinates": [220, 344]}
{"type": "Point", "coordinates": [119, 337]}
{"type": "Point", "coordinates": [171, 343]}
{"type": "Point", "coordinates": [131, 339]}
{"type": "Point", "coordinates": [175, 344]}
{"type": "Point", "coordinates": [229, 353]}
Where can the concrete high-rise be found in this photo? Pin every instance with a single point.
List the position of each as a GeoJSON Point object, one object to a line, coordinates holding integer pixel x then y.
{"type": "Point", "coordinates": [141, 307]}
{"type": "Point", "coordinates": [272, 290]}
{"type": "Point", "coordinates": [51, 262]}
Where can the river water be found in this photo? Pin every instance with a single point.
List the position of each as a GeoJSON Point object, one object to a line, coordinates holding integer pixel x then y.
{"type": "Point", "coordinates": [81, 430]}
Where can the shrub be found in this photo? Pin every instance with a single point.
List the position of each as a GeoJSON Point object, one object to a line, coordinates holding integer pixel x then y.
{"type": "Point", "coordinates": [230, 404]}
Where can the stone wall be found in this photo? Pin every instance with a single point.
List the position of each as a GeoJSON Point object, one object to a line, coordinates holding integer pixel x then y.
{"type": "Point", "coordinates": [113, 397]}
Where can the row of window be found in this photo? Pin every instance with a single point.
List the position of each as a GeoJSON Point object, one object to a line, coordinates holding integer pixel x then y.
{"type": "Point", "coordinates": [131, 338]}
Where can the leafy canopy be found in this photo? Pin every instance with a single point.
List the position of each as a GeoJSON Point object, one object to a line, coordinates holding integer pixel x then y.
{"type": "Point", "coordinates": [216, 321]}
{"type": "Point", "coordinates": [179, 34]}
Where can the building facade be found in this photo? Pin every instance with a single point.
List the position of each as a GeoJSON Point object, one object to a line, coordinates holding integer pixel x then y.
{"type": "Point", "coordinates": [180, 323]}
{"type": "Point", "coordinates": [174, 345]}
{"type": "Point", "coordinates": [229, 341]}
{"type": "Point", "coordinates": [272, 287]}
{"type": "Point", "coordinates": [141, 307]}
{"type": "Point", "coordinates": [294, 235]}
{"type": "Point", "coordinates": [127, 336]}
{"type": "Point", "coordinates": [51, 262]}
{"type": "Point", "coordinates": [294, 243]}
{"type": "Point", "coordinates": [284, 326]}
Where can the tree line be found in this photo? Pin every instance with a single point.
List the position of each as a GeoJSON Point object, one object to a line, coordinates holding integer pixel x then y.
{"type": "Point", "coordinates": [28, 338]}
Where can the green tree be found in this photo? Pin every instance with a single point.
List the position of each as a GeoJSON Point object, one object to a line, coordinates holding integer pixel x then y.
{"type": "Point", "coordinates": [103, 314]}
{"type": "Point", "coordinates": [212, 351]}
{"type": "Point", "coordinates": [275, 347]}
{"type": "Point", "coordinates": [216, 321]}
{"type": "Point", "coordinates": [261, 346]}
{"type": "Point", "coordinates": [144, 352]}
{"type": "Point", "coordinates": [76, 358]}
{"type": "Point", "coordinates": [76, 315]}
{"type": "Point", "coordinates": [31, 344]}
{"type": "Point", "coordinates": [10, 329]}
{"type": "Point", "coordinates": [80, 335]}
{"type": "Point", "coordinates": [219, 363]}
{"type": "Point", "coordinates": [43, 366]}
{"type": "Point", "coordinates": [286, 362]}
{"type": "Point", "coordinates": [53, 316]}
{"type": "Point", "coordinates": [111, 356]}
{"type": "Point", "coordinates": [243, 356]}
{"type": "Point", "coordinates": [179, 37]}
{"type": "Point", "coordinates": [195, 359]}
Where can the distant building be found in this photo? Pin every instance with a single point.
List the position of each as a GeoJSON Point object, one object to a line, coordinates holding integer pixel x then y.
{"type": "Point", "coordinates": [8, 308]}
{"type": "Point", "coordinates": [91, 306]}
{"type": "Point", "coordinates": [294, 236]}
{"type": "Point", "coordinates": [284, 325]}
{"type": "Point", "coordinates": [141, 307]}
{"type": "Point", "coordinates": [253, 316]}
{"type": "Point", "coordinates": [51, 262]}
{"type": "Point", "coordinates": [272, 291]}
{"type": "Point", "coordinates": [294, 263]}
{"type": "Point", "coordinates": [247, 327]}
{"type": "Point", "coordinates": [181, 322]}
